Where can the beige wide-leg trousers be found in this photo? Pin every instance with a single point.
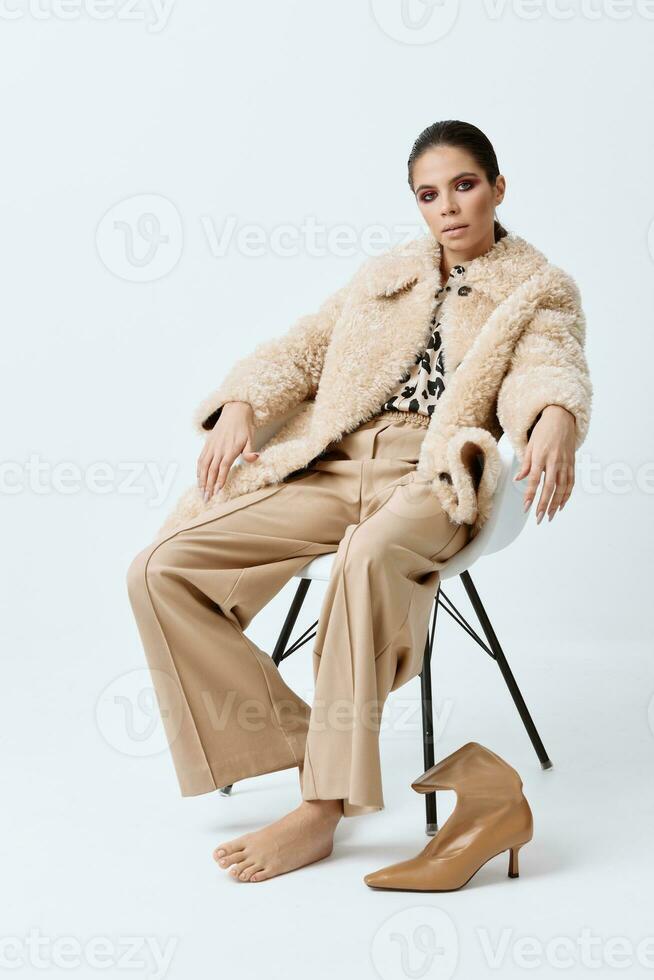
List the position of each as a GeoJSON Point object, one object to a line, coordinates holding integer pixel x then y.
{"type": "Point", "coordinates": [227, 712]}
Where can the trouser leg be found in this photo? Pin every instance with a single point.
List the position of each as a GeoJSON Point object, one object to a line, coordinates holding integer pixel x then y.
{"type": "Point", "coordinates": [371, 637]}
{"type": "Point", "coordinates": [227, 711]}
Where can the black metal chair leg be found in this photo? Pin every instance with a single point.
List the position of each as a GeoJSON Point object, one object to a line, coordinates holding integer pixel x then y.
{"type": "Point", "coordinates": [289, 622]}
{"type": "Point", "coordinates": [431, 817]}
{"type": "Point", "coordinates": [498, 653]}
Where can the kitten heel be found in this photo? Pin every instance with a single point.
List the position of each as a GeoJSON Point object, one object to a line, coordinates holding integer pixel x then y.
{"type": "Point", "coordinates": [514, 871]}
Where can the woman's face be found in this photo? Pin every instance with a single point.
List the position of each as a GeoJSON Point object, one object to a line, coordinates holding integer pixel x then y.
{"type": "Point", "coordinates": [451, 189]}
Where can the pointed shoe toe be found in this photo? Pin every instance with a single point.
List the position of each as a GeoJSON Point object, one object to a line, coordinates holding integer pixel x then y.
{"type": "Point", "coordinates": [401, 876]}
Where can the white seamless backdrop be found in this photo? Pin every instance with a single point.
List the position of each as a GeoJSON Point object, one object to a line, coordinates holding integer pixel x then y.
{"type": "Point", "coordinates": [181, 180]}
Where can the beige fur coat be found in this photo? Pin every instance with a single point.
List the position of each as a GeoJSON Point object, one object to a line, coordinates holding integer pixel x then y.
{"type": "Point", "coordinates": [514, 345]}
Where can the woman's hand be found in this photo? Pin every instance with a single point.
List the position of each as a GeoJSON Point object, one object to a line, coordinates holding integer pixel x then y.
{"type": "Point", "coordinates": [230, 436]}
{"type": "Point", "coordinates": [551, 449]}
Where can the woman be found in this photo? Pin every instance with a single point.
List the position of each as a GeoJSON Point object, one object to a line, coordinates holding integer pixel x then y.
{"type": "Point", "coordinates": [392, 397]}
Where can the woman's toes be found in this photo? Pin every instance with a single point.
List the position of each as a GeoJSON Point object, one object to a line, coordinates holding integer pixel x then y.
{"type": "Point", "coordinates": [229, 846]}
{"type": "Point", "coordinates": [239, 868]}
{"type": "Point", "coordinates": [260, 875]}
{"type": "Point", "coordinates": [225, 851]}
{"type": "Point", "coordinates": [252, 872]}
{"type": "Point", "coordinates": [231, 859]}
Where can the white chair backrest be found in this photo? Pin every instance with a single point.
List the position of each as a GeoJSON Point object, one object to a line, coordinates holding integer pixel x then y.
{"type": "Point", "coordinates": [505, 522]}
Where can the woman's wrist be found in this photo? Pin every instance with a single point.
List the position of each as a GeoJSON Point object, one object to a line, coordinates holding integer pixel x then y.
{"type": "Point", "coordinates": [558, 409]}
{"type": "Point", "coordinates": [241, 404]}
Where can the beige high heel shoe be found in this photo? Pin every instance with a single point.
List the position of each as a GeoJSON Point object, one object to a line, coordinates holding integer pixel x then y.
{"type": "Point", "coordinates": [491, 815]}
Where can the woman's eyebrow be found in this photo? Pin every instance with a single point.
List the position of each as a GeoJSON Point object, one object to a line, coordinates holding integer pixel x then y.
{"type": "Point", "coordinates": [465, 173]}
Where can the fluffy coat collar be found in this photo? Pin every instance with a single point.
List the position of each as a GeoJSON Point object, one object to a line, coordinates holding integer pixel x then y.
{"type": "Point", "coordinates": [500, 270]}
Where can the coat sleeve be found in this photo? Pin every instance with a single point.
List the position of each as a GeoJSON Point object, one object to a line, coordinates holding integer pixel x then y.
{"type": "Point", "coordinates": [548, 367]}
{"type": "Point", "coordinates": [279, 373]}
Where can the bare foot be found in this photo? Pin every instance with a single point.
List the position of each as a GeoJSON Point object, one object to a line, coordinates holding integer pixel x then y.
{"type": "Point", "coordinates": [301, 837]}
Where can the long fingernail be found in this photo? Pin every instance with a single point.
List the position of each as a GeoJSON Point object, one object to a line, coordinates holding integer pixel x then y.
{"type": "Point", "coordinates": [539, 518]}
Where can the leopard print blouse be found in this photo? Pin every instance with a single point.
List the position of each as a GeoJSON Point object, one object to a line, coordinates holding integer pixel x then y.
{"type": "Point", "coordinates": [419, 389]}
